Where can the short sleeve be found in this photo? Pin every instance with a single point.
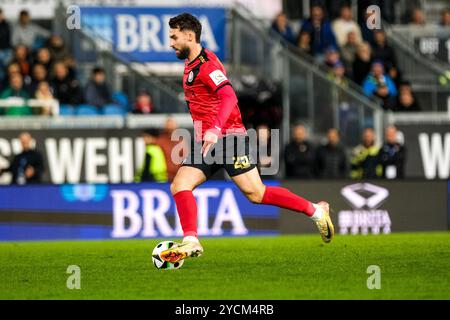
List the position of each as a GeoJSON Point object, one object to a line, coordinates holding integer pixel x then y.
{"type": "Point", "coordinates": [212, 76]}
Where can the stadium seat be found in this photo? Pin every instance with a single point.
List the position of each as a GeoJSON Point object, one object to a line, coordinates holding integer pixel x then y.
{"type": "Point", "coordinates": [66, 110]}
{"type": "Point", "coordinates": [121, 99]}
{"type": "Point", "coordinates": [113, 109]}
{"type": "Point", "coordinates": [87, 110]}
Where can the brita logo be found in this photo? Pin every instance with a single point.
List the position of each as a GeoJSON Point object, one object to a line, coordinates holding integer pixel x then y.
{"type": "Point", "coordinates": [365, 199]}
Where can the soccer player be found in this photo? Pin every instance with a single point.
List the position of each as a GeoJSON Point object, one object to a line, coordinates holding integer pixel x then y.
{"type": "Point", "coordinates": [213, 104]}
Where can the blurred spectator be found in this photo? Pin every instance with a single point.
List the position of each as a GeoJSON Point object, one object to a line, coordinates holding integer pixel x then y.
{"type": "Point", "coordinates": [299, 155]}
{"type": "Point", "coordinates": [7, 72]}
{"type": "Point", "coordinates": [13, 67]}
{"type": "Point", "coordinates": [143, 104]}
{"type": "Point", "coordinates": [67, 89]}
{"type": "Point", "coordinates": [392, 155]}
{"type": "Point", "coordinates": [16, 90]}
{"type": "Point", "coordinates": [2, 76]}
{"type": "Point", "coordinates": [97, 92]}
{"type": "Point", "coordinates": [406, 101]}
{"type": "Point", "coordinates": [332, 56]}
{"type": "Point", "coordinates": [71, 65]}
{"type": "Point", "coordinates": [331, 160]}
{"type": "Point", "coordinates": [43, 57]}
{"type": "Point", "coordinates": [445, 18]}
{"type": "Point", "coordinates": [320, 31]}
{"type": "Point", "coordinates": [10, 69]}
{"type": "Point", "coordinates": [382, 51]}
{"type": "Point", "coordinates": [57, 48]}
{"type": "Point", "coordinates": [5, 40]}
{"type": "Point", "coordinates": [333, 7]}
{"type": "Point", "coordinates": [154, 167]}
{"type": "Point", "coordinates": [26, 167]}
{"type": "Point", "coordinates": [345, 24]}
{"type": "Point", "coordinates": [364, 162]}
{"type": "Point", "coordinates": [260, 101]}
{"type": "Point", "coordinates": [45, 96]}
{"type": "Point", "coordinates": [337, 74]}
{"type": "Point", "coordinates": [304, 42]}
{"type": "Point", "coordinates": [381, 85]}
{"type": "Point", "coordinates": [363, 62]}
{"type": "Point", "coordinates": [38, 74]}
{"type": "Point", "coordinates": [27, 33]}
{"type": "Point", "coordinates": [165, 142]}
{"type": "Point", "coordinates": [21, 58]}
{"type": "Point", "coordinates": [417, 17]}
{"type": "Point", "coordinates": [348, 51]}
{"type": "Point", "coordinates": [280, 25]}
{"type": "Point", "coordinates": [394, 73]}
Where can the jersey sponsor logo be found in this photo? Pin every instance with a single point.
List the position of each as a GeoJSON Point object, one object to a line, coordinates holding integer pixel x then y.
{"type": "Point", "coordinates": [217, 77]}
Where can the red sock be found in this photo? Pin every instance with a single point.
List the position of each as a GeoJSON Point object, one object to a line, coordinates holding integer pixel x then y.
{"type": "Point", "coordinates": [187, 211]}
{"type": "Point", "coordinates": [283, 198]}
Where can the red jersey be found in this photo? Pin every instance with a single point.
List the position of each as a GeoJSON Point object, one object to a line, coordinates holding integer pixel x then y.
{"type": "Point", "coordinates": [202, 78]}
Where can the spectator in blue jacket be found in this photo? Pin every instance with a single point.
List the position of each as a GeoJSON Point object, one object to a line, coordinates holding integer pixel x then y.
{"type": "Point", "coordinates": [379, 84]}
{"type": "Point", "coordinates": [319, 28]}
{"type": "Point", "coordinates": [280, 25]}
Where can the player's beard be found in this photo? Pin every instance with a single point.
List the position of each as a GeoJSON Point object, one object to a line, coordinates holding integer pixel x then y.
{"type": "Point", "coordinates": [183, 53]}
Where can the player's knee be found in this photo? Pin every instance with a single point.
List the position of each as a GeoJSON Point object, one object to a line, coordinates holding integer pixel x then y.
{"type": "Point", "coordinates": [176, 187]}
{"type": "Point", "coordinates": [255, 196]}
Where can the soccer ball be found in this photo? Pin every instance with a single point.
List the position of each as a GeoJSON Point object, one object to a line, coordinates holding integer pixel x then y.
{"type": "Point", "coordinates": [160, 263]}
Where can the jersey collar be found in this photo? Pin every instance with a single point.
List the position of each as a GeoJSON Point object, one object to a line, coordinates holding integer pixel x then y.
{"type": "Point", "coordinates": [201, 56]}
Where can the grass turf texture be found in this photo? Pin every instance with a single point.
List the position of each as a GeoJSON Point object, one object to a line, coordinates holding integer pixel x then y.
{"type": "Point", "coordinates": [413, 266]}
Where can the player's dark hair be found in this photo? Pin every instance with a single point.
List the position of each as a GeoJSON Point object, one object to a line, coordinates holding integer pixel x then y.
{"type": "Point", "coordinates": [187, 21]}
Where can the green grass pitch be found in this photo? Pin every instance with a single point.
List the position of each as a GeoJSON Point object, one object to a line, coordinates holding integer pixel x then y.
{"type": "Point", "coordinates": [413, 266]}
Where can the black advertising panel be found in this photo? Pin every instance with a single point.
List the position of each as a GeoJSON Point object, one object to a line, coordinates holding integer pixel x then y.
{"type": "Point", "coordinates": [373, 207]}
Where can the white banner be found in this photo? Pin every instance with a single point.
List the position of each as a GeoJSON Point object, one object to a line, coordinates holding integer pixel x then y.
{"type": "Point", "coordinates": [45, 9]}
{"type": "Point", "coordinates": [38, 9]}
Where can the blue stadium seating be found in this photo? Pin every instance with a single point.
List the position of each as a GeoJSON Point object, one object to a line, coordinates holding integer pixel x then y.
{"type": "Point", "coordinates": [121, 99]}
{"type": "Point", "coordinates": [87, 110]}
{"type": "Point", "coordinates": [113, 109]}
{"type": "Point", "coordinates": [66, 110]}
